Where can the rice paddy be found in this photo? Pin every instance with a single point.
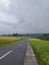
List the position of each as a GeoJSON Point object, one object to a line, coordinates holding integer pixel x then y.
{"type": "Point", "coordinates": [6, 40]}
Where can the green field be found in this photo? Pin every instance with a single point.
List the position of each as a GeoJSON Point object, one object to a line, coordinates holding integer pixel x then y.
{"type": "Point", "coordinates": [6, 40]}
{"type": "Point", "coordinates": [41, 50]}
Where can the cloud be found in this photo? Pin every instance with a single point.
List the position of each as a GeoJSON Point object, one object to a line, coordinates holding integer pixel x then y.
{"type": "Point", "coordinates": [8, 18]}
{"type": "Point", "coordinates": [25, 16]}
{"type": "Point", "coordinates": [5, 3]}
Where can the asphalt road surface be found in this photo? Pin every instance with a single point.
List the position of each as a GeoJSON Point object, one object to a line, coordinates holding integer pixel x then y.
{"type": "Point", "coordinates": [13, 54]}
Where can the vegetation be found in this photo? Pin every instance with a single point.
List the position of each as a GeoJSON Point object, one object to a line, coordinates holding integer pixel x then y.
{"type": "Point", "coordinates": [6, 40]}
{"type": "Point", "coordinates": [41, 50]}
{"type": "Point", "coordinates": [44, 37]}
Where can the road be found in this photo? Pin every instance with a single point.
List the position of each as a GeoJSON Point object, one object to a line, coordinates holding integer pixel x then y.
{"type": "Point", "coordinates": [13, 54]}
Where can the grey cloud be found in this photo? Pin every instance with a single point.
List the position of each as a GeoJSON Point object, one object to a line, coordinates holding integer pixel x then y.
{"type": "Point", "coordinates": [11, 25]}
{"type": "Point", "coordinates": [37, 24]}
{"type": "Point", "coordinates": [32, 15]}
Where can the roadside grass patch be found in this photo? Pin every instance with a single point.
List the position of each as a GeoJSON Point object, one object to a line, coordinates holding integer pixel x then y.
{"type": "Point", "coordinates": [6, 40]}
{"type": "Point", "coordinates": [41, 50]}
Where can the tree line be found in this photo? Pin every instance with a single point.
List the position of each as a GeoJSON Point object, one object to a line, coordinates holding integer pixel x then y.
{"type": "Point", "coordinates": [44, 37]}
{"type": "Point", "coordinates": [37, 35]}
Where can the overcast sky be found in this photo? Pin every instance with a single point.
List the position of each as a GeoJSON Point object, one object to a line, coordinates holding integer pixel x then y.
{"type": "Point", "coordinates": [24, 16]}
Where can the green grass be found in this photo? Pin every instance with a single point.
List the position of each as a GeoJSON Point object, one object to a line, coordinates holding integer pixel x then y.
{"type": "Point", "coordinates": [41, 50]}
{"type": "Point", "coordinates": [6, 40]}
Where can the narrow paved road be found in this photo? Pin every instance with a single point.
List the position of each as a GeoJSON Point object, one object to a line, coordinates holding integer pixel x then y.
{"type": "Point", "coordinates": [13, 54]}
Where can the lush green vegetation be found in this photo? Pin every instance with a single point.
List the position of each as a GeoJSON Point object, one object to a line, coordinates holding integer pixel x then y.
{"type": "Point", "coordinates": [41, 50]}
{"type": "Point", "coordinates": [6, 40]}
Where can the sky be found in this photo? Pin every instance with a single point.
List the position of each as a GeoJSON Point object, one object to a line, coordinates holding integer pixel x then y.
{"type": "Point", "coordinates": [24, 16]}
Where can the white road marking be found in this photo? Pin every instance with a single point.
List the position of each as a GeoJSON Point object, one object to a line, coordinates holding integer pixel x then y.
{"type": "Point", "coordinates": [5, 54]}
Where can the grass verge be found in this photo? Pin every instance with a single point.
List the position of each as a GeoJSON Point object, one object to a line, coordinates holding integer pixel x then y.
{"type": "Point", "coordinates": [41, 50]}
